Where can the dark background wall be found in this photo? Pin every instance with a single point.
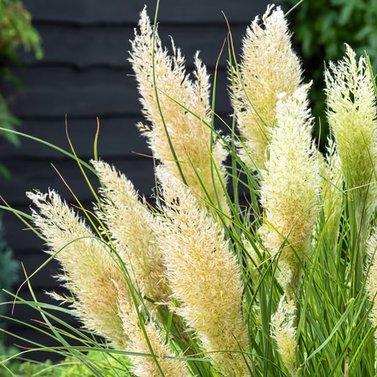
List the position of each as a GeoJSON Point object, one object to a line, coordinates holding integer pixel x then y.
{"type": "Point", "coordinates": [85, 74]}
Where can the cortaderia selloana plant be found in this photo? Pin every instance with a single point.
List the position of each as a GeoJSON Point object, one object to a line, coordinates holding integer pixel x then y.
{"type": "Point", "coordinates": [256, 255]}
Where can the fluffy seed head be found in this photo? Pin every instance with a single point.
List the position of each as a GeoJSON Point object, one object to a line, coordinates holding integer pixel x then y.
{"type": "Point", "coordinates": [204, 276]}
{"type": "Point", "coordinates": [88, 269]}
{"type": "Point", "coordinates": [268, 67]}
{"type": "Point", "coordinates": [181, 109]}
{"type": "Point", "coordinates": [290, 186]}
{"type": "Point", "coordinates": [145, 365]}
{"type": "Point", "coordinates": [352, 114]}
{"type": "Point", "coordinates": [130, 224]}
{"type": "Point", "coordinates": [284, 333]}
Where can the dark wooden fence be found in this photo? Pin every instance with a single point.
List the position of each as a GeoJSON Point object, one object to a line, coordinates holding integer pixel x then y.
{"type": "Point", "coordinates": [85, 74]}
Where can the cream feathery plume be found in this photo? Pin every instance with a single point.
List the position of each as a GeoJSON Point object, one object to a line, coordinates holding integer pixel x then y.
{"type": "Point", "coordinates": [172, 111]}
{"type": "Point", "coordinates": [284, 332]}
{"type": "Point", "coordinates": [130, 225]}
{"type": "Point", "coordinates": [88, 269]}
{"type": "Point", "coordinates": [268, 67]}
{"type": "Point", "coordinates": [145, 365]}
{"type": "Point", "coordinates": [204, 276]}
{"type": "Point", "coordinates": [352, 114]}
{"type": "Point", "coordinates": [290, 188]}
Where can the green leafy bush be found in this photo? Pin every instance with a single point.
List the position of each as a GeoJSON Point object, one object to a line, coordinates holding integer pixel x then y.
{"type": "Point", "coordinates": [16, 31]}
{"type": "Point", "coordinates": [322, 27]}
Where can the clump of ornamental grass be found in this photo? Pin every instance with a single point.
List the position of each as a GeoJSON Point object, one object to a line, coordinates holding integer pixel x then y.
{"type": "Point", "coordinates": [259, 264]}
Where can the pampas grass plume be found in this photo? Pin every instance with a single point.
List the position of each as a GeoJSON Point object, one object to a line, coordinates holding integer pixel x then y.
{"type": "Point", "coordinates": [290, 188]}
{"type": "Point", "coordinates": [130, 224]}
{"type": "Point", "coordinates": [268, 67]}
{"type": "Point", "coordinates": [89, 271]}
{"type": "Point", "coordinates": [284, 333]}
{"type": "Point", "coordinates": [204, 277]}
{"type": "Point", "coordinates": [352, 115]}
{"type": "Point", "coordinates": [143, 365]}
{"type": "Point", "coordinates": [179, 108]}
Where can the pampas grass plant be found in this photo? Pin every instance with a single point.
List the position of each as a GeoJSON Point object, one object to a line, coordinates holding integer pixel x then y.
{"type": "Point", "coordinates": [257, 256]}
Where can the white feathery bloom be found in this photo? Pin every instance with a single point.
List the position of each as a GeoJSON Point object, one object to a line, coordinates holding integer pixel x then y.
{"type": "Point", "coordinates": [268, 67]}
{"type": "Point", "coordinates": [204, 276]}
{"type": "Point", "coordinates": [144, 366]}
{"type": "Point", "coordinates": [284, 332]}
{"type": "Point", "coordinates": [130, 225]}
{"type": "Point", "coordinates": [290, 188]}
{"type": "Point", "coordinates": [352, 114]}
{"type": "Point", "coordinates": [179, 97]}
{"type": "Point", "coordinates": [88, 269]}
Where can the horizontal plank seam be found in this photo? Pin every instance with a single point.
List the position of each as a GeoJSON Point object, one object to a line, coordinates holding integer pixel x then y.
{"type": "Point", "coordinates": [81, 24]}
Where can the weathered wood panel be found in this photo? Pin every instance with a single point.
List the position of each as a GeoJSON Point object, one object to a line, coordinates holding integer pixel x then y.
{"type": "Point", "coordinates": [85, 47]}
{"type": "Point", "coordinates": [118, 137]}
{"type": "Point", "coordinates": [121, 11]}
{"type": "Point", "coordinates": [55, 91]}
{"type": "Point", "coordinates": [39, 174]}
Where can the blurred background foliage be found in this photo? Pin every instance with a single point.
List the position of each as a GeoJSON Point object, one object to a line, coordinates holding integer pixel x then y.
{"type": "Point", "coordinates": [16, 31]}
{"type": "Point", "coordinates": [8, 266]}
{"type": "Point", "coordinates": [68, 367]}
{"type": "Point", "coordinates": [321, 27]}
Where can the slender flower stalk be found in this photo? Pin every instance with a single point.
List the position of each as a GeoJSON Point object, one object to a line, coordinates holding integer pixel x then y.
{"type": "Point", "coordinates": [331, 195]}
{"type": "Point", "coordinates": [145, 342]}
{"type": "Point", "coordinates": [268, 67]}
{"type": "Point", "coordinates": [352, 114]}
{"type": "Point", "coordinates": [130, 225]}
{"type": "Point", "coordinates": [179, 113]}
{"type": "Point", "coordinates": [204, 277]}
{"type": "Point", "coordinates": [290, 189]}
{"type": "Point", "coordinates": [89, 270]}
